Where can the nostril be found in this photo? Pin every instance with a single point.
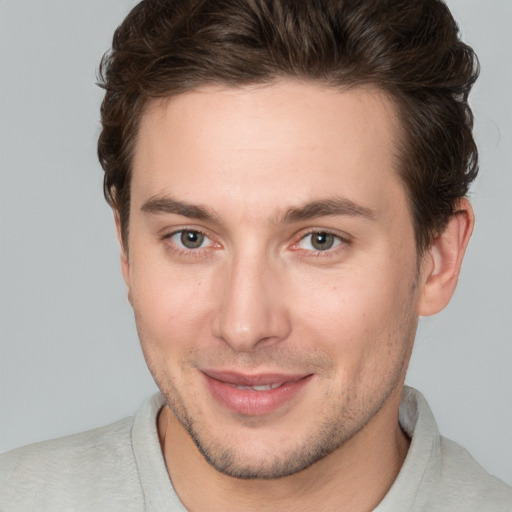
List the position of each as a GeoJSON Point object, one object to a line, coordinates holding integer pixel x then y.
{"type": "Point", "coordinates": [249, 312]}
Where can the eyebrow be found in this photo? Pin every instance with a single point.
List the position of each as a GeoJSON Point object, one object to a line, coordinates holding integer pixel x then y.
{"type": "Point", "coordinates": [326, 207]}
{"type": "Point", "coordinates": [165, 204]}
{"type": "Point", "coordinates": [320, 208]}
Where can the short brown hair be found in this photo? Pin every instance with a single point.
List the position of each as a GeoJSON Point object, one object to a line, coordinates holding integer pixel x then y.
{"type": "Point", "coordinates": [409, 48]}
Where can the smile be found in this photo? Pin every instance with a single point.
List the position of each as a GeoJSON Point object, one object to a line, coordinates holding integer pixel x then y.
{"type": "Point", "coordinates": [254, 395]}
{"type": "Point", "coordinates": [258, 388]}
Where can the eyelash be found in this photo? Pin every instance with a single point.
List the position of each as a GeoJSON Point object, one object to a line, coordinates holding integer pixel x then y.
{"type": "Point", "coordinates": [343, 242]}
{"type": "Point", "coordinates": [183, 250]}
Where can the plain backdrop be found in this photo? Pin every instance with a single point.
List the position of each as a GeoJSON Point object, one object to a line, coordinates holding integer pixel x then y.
{"type": "Point", "coordinates": [69, 354]}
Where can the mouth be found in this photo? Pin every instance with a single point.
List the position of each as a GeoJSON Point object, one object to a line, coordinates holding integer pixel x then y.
{"type": "Point", "coordinates": [258, 388]}
{"type": "Point", "coordinates": [255, 395]}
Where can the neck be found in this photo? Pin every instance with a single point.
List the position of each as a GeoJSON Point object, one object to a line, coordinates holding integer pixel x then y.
{"type": "Point", "coordinates": [354, 477]}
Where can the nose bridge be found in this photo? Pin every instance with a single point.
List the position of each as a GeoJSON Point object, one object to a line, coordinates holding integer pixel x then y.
{"type": "Point", "coordinates": [251, 312]}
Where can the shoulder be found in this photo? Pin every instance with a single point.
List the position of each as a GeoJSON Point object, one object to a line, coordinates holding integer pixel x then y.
{"type": "Point", "coordinates": [465, 485]}
{"type": "Point", "coordinates": [438, 474]}
{"type": "Point", "coordinates": [69, 472]}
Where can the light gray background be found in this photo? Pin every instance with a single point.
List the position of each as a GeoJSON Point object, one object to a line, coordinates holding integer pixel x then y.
{"type": "Point", "coordinates": [69, 355]}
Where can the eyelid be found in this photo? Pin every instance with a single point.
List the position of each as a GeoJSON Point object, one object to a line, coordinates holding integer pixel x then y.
{"type": "Point", "coordinates": [168, 235]}
{"type": "Point", "coordinates": [344, 239]}
{"type": "Point", "coordinates": [170, 231]}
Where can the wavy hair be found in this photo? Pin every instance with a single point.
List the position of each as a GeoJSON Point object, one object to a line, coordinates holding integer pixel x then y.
{"type": "Point", "coordinates": [410, 49]}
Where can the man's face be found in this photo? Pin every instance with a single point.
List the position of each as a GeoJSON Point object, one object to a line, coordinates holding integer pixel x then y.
{"type": "Point", "coordinates": [272, 269]}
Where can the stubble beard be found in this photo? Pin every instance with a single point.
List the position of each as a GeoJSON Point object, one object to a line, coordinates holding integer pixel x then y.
{"type": "Point", "coordinates": [355, 406]}
{"type": "Point", "coordinates": [350, 416]}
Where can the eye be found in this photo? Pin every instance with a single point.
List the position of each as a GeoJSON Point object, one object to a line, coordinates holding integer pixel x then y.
{"type": "Point", "coordinates": [190, 239]}
{"type": "Point", "coordinates": [319, 241]}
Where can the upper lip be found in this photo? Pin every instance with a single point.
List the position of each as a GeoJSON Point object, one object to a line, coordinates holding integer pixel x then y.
{"type": "Point", "coordinates": [260, 379]}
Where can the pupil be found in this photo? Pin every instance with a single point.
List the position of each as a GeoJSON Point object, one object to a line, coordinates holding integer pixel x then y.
{"type": "Point", "coordinates": [192, 239]}
{"type": "Point", "coordinates": [322, 241]}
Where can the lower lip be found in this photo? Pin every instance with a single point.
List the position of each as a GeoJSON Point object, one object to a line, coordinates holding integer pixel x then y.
{"type": "Point", "coordinates": [255, 403]}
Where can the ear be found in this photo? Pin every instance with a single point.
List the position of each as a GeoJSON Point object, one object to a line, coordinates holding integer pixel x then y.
{"type": "Point", "coordinates": [125, 262]}
{"type": "Point", "coordinates": [442, 261]}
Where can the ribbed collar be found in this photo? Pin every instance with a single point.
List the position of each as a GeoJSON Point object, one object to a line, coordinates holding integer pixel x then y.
{"type": "Point", "coordinates": [410, 491]}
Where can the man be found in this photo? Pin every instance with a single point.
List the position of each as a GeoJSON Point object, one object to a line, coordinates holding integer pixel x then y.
{"type": "Point", "coordinates": [289, 182]}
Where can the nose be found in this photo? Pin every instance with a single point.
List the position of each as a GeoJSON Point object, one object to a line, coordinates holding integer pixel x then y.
{"type": "Point", "coordinates": [251, 308]}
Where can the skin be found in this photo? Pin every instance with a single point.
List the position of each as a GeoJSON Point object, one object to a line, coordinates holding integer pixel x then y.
{"type": "Point", "coordinates": [239, 167]}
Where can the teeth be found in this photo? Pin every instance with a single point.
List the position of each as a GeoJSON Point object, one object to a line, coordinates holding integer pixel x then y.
{"type": "Point", "coordinates": [267, 387]}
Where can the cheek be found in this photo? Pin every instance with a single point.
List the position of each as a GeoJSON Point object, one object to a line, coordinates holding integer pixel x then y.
{"type": "Point", "coordinates": [169, 305]}
{"type": "Point", "coordinates": [359, 311]}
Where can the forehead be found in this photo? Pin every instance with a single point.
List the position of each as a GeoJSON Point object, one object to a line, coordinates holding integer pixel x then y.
{"type": "Point", "coordinates": [268, 145]}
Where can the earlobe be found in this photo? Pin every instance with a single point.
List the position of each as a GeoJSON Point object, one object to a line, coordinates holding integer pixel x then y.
{"type": "Point", "coordinates": [443, 259]}
{"type": "Point", "coordinates": [125, 263]}
{"type": "Point", "coordinates": [125, 269]}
